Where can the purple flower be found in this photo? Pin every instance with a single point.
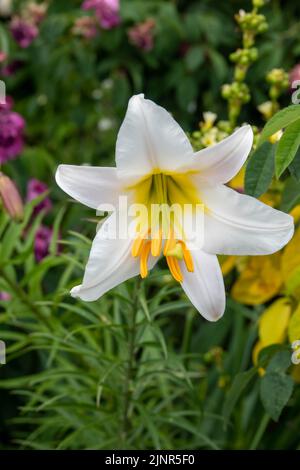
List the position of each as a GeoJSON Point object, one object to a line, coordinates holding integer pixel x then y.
{"type": "Point", "coordinates": [5, 296]}
{"type": "Point", "coordinates": [34, 189]}
{"type": "Point", "coordinates": [141, 35]}
{"type": "Point", "coordinates": [23, 31]}
{"type": "Point", "coordinates": [11, 132]}
{"type": "Point", "coordinates": [42, 242]}
{"type": "Point", "coordinates": [106, 11]}
{"type": "Point", "coordinates": [11, 68]}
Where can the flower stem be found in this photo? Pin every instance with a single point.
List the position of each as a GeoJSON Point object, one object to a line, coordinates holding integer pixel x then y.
{"type": "Point", "coordinates": [260, 432]}
{"type": "Point", "coordinates": [131, 362]}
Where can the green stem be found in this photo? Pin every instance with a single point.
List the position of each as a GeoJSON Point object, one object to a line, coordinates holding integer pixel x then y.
{"type": "Point", "coordinates": [131, 362]}
{"type": "Point", "coordinates": [260, 431]}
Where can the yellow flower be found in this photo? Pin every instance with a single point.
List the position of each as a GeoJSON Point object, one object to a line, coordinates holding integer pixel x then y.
{"type": "Point", "coordinates": [259, 281]}
{"type": "Point", "coordinates": [273, 325]}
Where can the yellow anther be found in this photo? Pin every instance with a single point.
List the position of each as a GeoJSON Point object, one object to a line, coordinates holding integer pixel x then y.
{"type": "Point", "coordinates": [187, 257]}
{"type": "Point", "coordinates": [156, 243]}
{"type": "Point", "coordinates": [144, 259]}
{"type": "Point", "coordinates": [170, 242]}
{"type": "Point", "coordinates": [137, 246]}
{"type": "Point", "coordinates": [174, 268]}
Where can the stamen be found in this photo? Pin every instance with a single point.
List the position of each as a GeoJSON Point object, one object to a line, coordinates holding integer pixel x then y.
{"type": "Point", "coordinates": [187, 257]}
{"type": "Point", "coordinates": [138, 243]}
{"type": "Point", "coordinates": [170, 243]}
{"type": "Point", "coordinates": [174, 268]}
{"type": "Point", "coordinates": [144, 259]}
{"type": "Point", "coordinates": [156, 243]}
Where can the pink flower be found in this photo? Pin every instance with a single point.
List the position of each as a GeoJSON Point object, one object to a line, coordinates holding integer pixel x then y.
{"type": "Point", "coordinates": [34, 189]}
{"type": "Point", "coordinates": [11, 132]}
{"type": "Point", "coordinates": [141, 35]}
{"type": "Point", "coordinates": [3, 56]}
{"type": "Point", "coordinates": [85, 26]}
{"type": "Point", "coordinates": [23, 31]}
{"type": "Point", "coordinates": [106, 11]}
{"type": "Point", "coordinates": [42, 242]}
{"type": "Point", "coordinates": [294, 74]}
{"type": "Point", "coordinates": [35, 12]}
{"type": "Point", "coordinates": [5, 296]}
{"type": "Point", "coordinates": [10, 198]}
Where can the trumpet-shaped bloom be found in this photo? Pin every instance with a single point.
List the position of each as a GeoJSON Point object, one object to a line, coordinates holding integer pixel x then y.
{"type": "Point", "coordinates": [156, 165]}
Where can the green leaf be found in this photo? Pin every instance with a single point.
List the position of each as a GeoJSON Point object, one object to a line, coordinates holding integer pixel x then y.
{"type": "Point", "coordinates": [280, 362]}
{"type": "Point", "coordinates": [280, 120]}
{"type": "Point", "coordinates": [290, 195]}
{"type": "Point", "coordinates": [239, 384]}
{"type": "Point", "coordinates": [294, 166]}
{"type": "Point", "coordinates": [260, 170]}
{"type": "Point", "coordinates": [275, 391]}
{"type": "Point", "coordinates": [194, 58]}
{"type": "Point", "coordinates": [287, 147]}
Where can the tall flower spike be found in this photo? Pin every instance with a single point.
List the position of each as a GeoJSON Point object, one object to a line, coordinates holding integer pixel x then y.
{"type": "Point", "coordinates": [156, 165]}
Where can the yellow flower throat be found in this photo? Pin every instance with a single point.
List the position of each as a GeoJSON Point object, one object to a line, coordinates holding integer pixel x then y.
{"type": "Point", "coordinates": [159, 233]}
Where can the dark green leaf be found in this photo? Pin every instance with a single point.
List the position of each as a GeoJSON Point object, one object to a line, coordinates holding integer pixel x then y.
{"type": "Point", "coordinates": [275, 391]}
{"type": "Point", "coordinates": [287, 147]}
{"type": "Point", "coordinates": [280, 120]}
{"type": "Point", "coordinates": [260, 170]}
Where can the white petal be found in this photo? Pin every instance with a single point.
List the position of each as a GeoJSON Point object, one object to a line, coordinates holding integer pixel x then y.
{"type": "Point", "coordinates": [205, 286]}
{"type": "Point", "coordinates": [237, 224]}
{"type": "Point", "coordinates": [220, 162]}
{"type": "Point", "coordinates": [110, 263]}
{"type": "Point", "coordinates": [150, 139]}
{"type": "Point", "coordinates": [90, 185]}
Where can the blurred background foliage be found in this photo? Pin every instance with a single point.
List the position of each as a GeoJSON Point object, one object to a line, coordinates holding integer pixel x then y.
{"type": "Point", "coordinates": [139, 369]}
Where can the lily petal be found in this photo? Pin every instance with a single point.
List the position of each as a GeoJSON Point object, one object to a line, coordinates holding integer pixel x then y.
{"type": "Point", "coordinates": [222, 161]}
{"type": "Point", "coordinates": [110, 263]}
{"type": "Point", "coordinates": [150, 139]}
{"type": "Point", "coordinates": [89, 185]}
{"type": "Point", "coordinates": [205, 286]}
{"type": "Point", "coordinates": [237, 224]}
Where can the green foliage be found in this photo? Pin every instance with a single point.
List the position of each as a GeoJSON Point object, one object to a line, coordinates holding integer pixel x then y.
{"type": "Point", "coordinates": [260, 170]}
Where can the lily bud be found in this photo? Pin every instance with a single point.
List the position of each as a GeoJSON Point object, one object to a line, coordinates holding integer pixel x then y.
{"type": "Point", "coordinates": [11, 198]}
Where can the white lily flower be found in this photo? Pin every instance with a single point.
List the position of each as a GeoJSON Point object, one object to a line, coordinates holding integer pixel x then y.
{"type": "Point", "coordinates": [155, 162]}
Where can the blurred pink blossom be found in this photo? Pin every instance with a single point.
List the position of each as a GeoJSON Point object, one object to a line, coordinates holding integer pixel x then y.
{"type": "Point", "coordinates": [42, 242]}
{"type": "Point", "coordinates": [10, 198]}
{"type": "Point", "coordinates": [5, 296]}
{"type": "Point", "coordinates": [23, 31]}
{"type": "Point", "coordinates": [106, 11]}
{"type": "Point", "coordinates": [35, 188]}
{"type": "Point", "coordinates": [85, 26]}
{"type": "Point", "coordinates": [11, 132]}
{"type": "Point", "coordinates": [294, 74]}
{"type": "Point", "coordinates": [141, 35]}
{"type": "Point", "coordinates": [3, 56]}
